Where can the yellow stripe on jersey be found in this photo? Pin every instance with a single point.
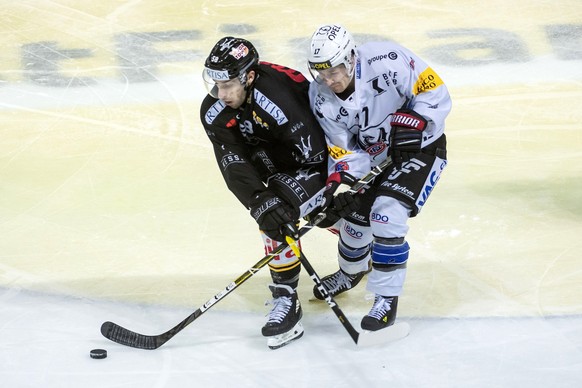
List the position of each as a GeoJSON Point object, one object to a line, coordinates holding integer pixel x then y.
{"type": "Point", "coordinates": [337, 152]}
{"type": "Point", "coordinates": [427, 80]}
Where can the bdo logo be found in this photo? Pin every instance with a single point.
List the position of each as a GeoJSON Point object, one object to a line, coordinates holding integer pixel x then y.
{"type": "Point", "coordinates": [377, 217]}
{"type": "Point", "coordinates": [353, 232]}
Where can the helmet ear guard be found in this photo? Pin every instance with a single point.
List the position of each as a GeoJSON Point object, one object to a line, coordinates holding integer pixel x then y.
{"type": "Point", "coordinates": [331, 45]}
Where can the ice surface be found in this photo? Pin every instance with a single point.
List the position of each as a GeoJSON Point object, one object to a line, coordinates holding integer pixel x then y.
{"type": "Point", "coordinates": [112, 208]}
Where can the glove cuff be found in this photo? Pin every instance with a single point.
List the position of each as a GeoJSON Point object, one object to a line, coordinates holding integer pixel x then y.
{"type": "Point", "coordinates": [408, 119]}
{"type": "Point", "coordinates": [341, 177]}
{"type": "Point", "coordinates": [334, 177]}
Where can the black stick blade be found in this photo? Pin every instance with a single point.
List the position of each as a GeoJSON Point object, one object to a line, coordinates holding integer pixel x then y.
{"type": "Point", "coordinates": [123, 336]}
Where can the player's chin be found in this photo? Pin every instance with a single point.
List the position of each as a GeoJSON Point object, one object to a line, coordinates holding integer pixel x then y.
{"type": "Point", "coordinates": [232, 104]}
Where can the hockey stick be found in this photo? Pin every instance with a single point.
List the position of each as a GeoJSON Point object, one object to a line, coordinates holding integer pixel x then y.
{"type": "Point", "coordinates": [123, 336]}
{"type": "Point", "coordinates": [365, 338]}
{"type": "Point", "coordinates": [326, 296]}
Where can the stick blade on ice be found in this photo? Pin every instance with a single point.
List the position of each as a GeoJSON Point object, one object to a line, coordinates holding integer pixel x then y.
{"type": "Point", "coordinates": [127, 337]}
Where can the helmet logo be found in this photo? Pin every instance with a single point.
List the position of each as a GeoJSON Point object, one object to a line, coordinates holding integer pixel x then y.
{"type": "Point", "coordinates": [330, 31]}
{"type": "Point", "coordinates": [240, 51]}
{"type": "Point", "coordinates": [320, 66]}
{"type": "Point", "coordinates": [226, 44]}
{"type": "Point", "coordinates": [217, 75]}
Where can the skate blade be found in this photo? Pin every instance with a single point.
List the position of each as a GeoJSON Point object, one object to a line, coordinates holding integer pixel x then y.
{"type": "Point", "coordinates": [392, 333]}
{"type": "Point", "coordinates": [280, 340]}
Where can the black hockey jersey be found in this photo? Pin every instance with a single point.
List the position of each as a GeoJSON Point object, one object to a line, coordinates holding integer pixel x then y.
{"type": "Point", "coordinates": [274, 131]}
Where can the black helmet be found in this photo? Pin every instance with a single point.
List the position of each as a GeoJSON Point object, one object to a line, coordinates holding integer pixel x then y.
{"type": "Point", "coordinates": [230, 58]}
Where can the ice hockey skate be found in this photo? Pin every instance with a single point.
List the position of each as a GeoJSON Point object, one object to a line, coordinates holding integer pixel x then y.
{"type": "Point", "coordinates": [283, 323]}
{"type": "Point", "coordinates": [382, 314]}
{"type": "Point", "coordinates": [338, 282]}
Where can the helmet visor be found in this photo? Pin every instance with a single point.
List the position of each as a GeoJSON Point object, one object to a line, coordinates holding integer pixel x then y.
{"type": "Point", "coordinates": [210, 77]}
{"type": "Point", "coordinates": [328, 74]}
{"type": "Point", "coordinates": [316, 67]}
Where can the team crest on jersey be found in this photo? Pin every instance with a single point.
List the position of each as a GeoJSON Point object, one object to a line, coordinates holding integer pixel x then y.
{"type": "Point", "coordinates": [376, 149]}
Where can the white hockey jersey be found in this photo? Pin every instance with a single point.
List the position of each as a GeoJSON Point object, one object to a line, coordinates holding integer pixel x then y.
{"type": "Point", "coordinates": [387, 77]}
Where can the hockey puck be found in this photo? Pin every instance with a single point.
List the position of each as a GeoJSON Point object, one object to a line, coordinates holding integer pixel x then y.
{"type": "Point", "coordinates": [98, 353]}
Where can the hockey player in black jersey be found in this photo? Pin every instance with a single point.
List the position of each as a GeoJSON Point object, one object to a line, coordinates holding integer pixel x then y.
{"type": "Point", "coordinates": [273, 157]}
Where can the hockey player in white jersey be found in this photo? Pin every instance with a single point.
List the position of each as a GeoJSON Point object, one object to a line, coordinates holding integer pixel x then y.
{"type": "Point", "coordinates": [374, 101]}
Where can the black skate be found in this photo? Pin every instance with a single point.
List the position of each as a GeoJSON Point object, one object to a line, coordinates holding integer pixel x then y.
{"type": "Point", "coordinates": [382, 314]}
{"type": "Point", "coordinates": [338, 282]}
{"type": "Point", "coordinates": [283, 324]}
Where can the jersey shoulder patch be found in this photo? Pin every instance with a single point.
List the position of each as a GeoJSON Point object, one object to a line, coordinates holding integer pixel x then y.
{"type": "Point", "coordinates": [427, 80]}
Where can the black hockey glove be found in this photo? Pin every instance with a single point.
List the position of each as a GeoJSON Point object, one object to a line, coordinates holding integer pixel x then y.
{"type": "Point", "coordinates": [343, 203]}
{"type": "Point", "coordinates": [406, 135]}
{"type": "Point", "coordinates": [271, 213]}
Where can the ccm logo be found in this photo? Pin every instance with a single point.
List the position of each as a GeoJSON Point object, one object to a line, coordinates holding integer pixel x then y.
{"type": "Point", "coordinates": [380, 218]}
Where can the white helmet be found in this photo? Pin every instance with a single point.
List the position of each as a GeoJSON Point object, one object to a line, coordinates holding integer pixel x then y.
{"type": "Point", "coordinates": [331, 45]}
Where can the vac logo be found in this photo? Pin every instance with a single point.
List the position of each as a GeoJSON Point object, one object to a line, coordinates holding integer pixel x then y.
{"type": "Point", "coordinates": [430, 183]}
